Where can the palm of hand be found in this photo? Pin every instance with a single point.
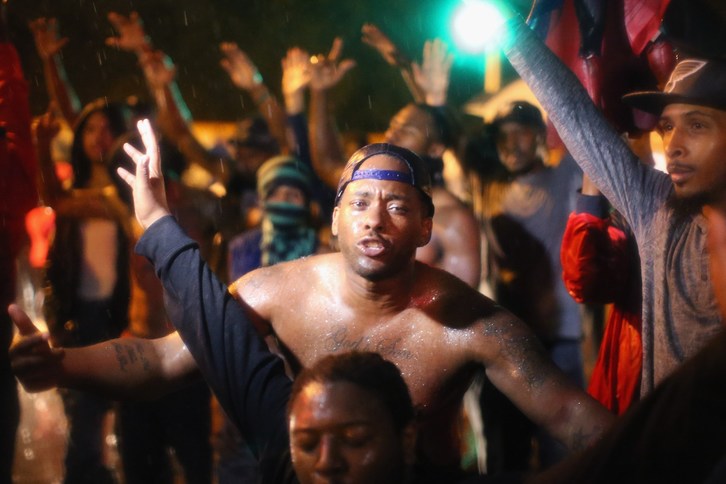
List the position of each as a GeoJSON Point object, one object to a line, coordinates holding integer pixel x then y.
{"type": "Point", "coordinates": [296, 71]}
{"type": "Point", "coordinates": [45, 34]}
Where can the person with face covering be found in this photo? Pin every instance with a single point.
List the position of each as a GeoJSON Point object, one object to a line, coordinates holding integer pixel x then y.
{"type": "Point", "coordinates": [284, 186]}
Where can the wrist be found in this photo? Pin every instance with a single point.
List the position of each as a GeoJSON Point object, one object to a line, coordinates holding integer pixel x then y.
{"type": "Point", "coordinates": [436, 99]}
{"type": "Point", "coordinates": [144, 48]}
{"type": "Point", "coordinates": [259, 93]}
{"type": "Point", "coordinates": [153, 217]}
{"type": "Point", "coordinates": [294, 103]}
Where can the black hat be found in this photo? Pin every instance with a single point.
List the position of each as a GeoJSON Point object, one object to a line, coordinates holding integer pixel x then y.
{"type": "Point", "coordinates": [520, 112]}
{"type": "Point", "coordinates": [694, 81]}
{"type": "Point", "coordinates": [253, 132]}
{"type": "Point", "coordinates": [417, 176]}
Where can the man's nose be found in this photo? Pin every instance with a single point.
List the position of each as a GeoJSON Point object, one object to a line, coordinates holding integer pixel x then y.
{"type": "Point", "coordinates": [374, 216]}
{"type": "Point", "coordinates": [673, 144]}
{"type": "Point", "coordinates": [330, 457]}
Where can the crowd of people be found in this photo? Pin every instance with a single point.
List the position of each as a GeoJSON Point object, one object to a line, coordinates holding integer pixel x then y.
{"type": "Point", "coordinates": [340, 302]}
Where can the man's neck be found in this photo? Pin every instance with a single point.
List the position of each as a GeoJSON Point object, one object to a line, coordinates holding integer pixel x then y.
{"type": "Point", "coordinates": [389, 295]}
{"type": "Point", "coordinates": [529, 170]}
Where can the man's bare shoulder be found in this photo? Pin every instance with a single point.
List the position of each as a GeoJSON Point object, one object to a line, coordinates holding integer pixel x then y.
{"type": "Point", "coordinates": [286, 276]}
{"type": "Point", "coordinates": [457, 304]}
{"type": "Point", "coordinates": [451, 210]}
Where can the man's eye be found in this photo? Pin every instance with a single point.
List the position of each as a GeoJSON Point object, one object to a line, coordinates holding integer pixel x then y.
{"type": "Point", "coordinates": [664, 127]}
{"type": "Point", "coordinates": [398, 209]}
{"type": "Point", "coordinates": [306, 444]}
{"type": "Point", "coordinates": [357, 438]}
{"type": "Point", "coordinates": [358, 204]}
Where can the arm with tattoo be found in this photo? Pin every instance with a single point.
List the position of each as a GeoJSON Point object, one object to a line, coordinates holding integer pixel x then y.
{"type": "Point", "coordinates": [125, 368]}
{"type": "Point", "coordinates": [517, 364]}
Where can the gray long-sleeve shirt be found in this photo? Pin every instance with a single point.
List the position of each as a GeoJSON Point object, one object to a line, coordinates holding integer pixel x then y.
{"type": "Point", "coordinates": [679, 309]}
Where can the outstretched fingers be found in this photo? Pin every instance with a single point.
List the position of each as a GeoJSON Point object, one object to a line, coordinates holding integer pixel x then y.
{"type": "Point", "coordinates": [22, 321]}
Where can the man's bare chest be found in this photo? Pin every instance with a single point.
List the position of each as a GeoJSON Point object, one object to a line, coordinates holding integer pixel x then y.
{"type": "Point", "coordinates": [419, 346]}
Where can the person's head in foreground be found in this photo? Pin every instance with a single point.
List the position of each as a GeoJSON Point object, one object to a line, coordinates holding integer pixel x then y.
{"type": "Point", "coordinates": [351, 420]}
{"type": "Point", "coordinates": [520, 134]}
{"type": "Point", "coordinates": [383, 210]}
{"type": "Point", "coordinates": [692, 111]}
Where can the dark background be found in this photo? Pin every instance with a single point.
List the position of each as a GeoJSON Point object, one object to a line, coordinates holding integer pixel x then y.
{"type": "Point", "coordinates": [191, 30]}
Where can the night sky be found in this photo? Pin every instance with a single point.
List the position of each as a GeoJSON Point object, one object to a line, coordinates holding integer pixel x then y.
{"type": "Point", "coordinates": [191, 30]}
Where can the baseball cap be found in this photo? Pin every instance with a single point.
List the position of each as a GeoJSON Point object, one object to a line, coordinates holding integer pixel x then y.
{"type": "Point", "coordinates": [417, 176]}
{"type": "Point", "coordinates": [253, 132]}
{"type": "Point", "coordinates": [693, 81]}
{"type": "Point", "coordinates": [520, 112]}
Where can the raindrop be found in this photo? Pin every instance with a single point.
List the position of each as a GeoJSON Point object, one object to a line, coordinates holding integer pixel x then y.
{"type": "Point", "coordinates": [370, 102]}
{"type": "Point", "coordinates": [186, 21]}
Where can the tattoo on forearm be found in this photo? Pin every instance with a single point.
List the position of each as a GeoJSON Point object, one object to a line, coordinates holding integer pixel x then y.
{"type": "Point", "coordinates": [131, 354]}
{"type": "Point", "coordinates": [386, 347]}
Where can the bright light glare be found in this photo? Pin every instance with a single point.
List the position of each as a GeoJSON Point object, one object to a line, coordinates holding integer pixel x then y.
{"type": "Point", "coordinates": [473, 25]}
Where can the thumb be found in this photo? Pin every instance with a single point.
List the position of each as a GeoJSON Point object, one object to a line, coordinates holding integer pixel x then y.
{"type": "Point", "coordinates": [22, 321]}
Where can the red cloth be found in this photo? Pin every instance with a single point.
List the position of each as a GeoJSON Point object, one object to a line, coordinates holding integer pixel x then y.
{"type": "Point", "coordinates": [642, 21]}
{"type": "Point", "coordinates": [597, 264]}
{"type": "Point", "coordinates": [18, 165]}
{"type": "Point", "coordinates": [620, 68]}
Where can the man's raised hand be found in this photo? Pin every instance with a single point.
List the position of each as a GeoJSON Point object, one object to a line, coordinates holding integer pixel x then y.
{"type": "Point", "coordinates": [327, 71]}
{"type": "Point", "coordinates": [45, 34]}
{"type": "Point", "coordinates": [131, 36]}
{"type": "Point", "coordinates": [34, 362]}
{"type": "Point", "coordinates": [432, 75]}
{"type": "Point", "coordinates": [148, 182]}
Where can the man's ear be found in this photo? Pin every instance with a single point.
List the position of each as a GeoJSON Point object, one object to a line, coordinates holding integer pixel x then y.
{"type": "Point", "coordinates": [334, 226]}
{"type": "Point", "coordinates": [426, 228]}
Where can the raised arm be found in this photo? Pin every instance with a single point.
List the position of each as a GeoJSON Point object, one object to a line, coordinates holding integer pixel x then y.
{"type": "Point", "coordinates": [517, 364]}
{"type": "Point", "coordinates": [248, 380]}
{"type": "Point", "coordinates": [295, 79]}
{"type": "Point", "coordinates": [124, 368]}
{"type": "Point", "coordinates": [432, 75]}
{"type": "Point", "coordinates": [326, 145]}
{"type": "Point", "coordinates": [173, 115]}
{"type": "Point", "coordinates": [390, 52]}
{"type": "Point", "coordinates": [603, 155]}
{"type": "Point", "coordinates": [49, 45]}
{"type": "Point", "coordinates": [45, 128]}
{"type": "Point", "coordinates": [245, 75]}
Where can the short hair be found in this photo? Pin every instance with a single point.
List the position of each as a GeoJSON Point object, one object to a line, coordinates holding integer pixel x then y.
{"type": "Point", "coordinates": [520, 112]}
{"type": "Point", "coordinates": [368, 371]}
{"type": "Point", "coordinates": [446, 126]}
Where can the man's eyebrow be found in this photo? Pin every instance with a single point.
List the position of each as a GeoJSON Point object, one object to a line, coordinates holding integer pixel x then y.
{"type": "Point", "coordinates": [692, 112]}
{"type": "Point", "coordinates": [698, 112]}
{"type": "Point", "coordinates": [361, 193]}
{"type": "Point", "coordinates": [341, 425]}
{"type": "Point", "coordinates": [396, 196]}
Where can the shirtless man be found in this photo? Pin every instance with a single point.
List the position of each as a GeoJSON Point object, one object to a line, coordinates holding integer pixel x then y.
{"type": "Point", "coordinates": [373, 295]}
{"type": "Point", "coordinates": [421, 128]}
